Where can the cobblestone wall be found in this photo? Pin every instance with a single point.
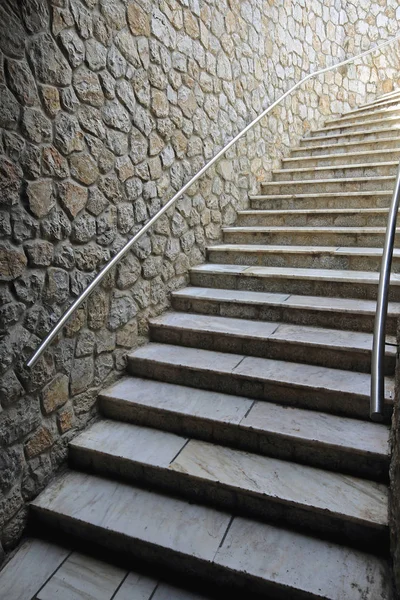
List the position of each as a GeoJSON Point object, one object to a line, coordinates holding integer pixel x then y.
{"type": "Point", "coordinates": [106, 108]}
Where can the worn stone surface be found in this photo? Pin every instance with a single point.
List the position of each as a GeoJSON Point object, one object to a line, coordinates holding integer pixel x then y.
{"type": "Point", "coordinates": [106, 108]}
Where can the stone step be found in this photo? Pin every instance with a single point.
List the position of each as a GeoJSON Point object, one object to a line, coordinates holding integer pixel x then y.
{"type": "Point", "coordinates": [350, 184]}
{"type": "Point", "coordinates": [372, 112]}
{"type": "Point", "coordinates": [308, 257]}
{"type": "Point", "coordinates": [366, 135]}
{"type": "Point", "coordinates": [305, 282]}
{"type": "Point", "coordinates": [345, 171]}
{"type": "Point", "coordinates": [356, 157]}
{"type": "Point", "coordinates": [364, 125]}
{"type": "Point", "coordinates": [308, 236]}
{"type": "Point", "coordinates": [333, 391]}
{"type": "Point", "coordinates": [341, 349]}
{"type": "Point", "coordinates": [193, 539]}
{"type": "Point", "coordinates": [350, 509]}
{"type": "Point", "coordinates": [340, 147]}
{"type": "Point", "coordinates": [343, 313]}
{"type": "Point", "coordinates": [307, 201]}
{"type": "Point", "coordinates": [335, 443]}
{"type": "Point", "coordinates": [325, 217]}
{"type": "Point", "coordinates": [384, 97]}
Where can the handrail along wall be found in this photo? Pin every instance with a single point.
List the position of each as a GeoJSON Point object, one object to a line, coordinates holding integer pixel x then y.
{"type": "Point", "coordinates": [379, 335]}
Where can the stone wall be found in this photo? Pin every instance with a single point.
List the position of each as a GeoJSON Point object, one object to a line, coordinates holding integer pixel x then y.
{"type": "Point", "coordinates": [106, 108]}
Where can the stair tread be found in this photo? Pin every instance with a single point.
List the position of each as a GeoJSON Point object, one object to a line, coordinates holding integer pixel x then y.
{"type": "Point", "coordinates": [274, 331]}
{"type": "Point", "coordinates": [295, 272]}
{"type": "Point", "coordinates": [308, 229]}
{"type": "Point", "coordinates": [261, 369]}
{"type": "Point", "coordinates": [366, 122]}
{"type": "Point", "coordinates": [286, 300]}
{"type": "Point", "coordinates": [345, 145]}
{"type": "Point", "coordinates": [202, 533]}
{"type": "Point", "coordinates": [364, 438]}
{"type": "Point", "coordinates": [348, 133]}
{"type": "Point", "coordinates": [370, 112]}
{"type": "Point", "coordinates": [361, 153]}
{"type": "Point", "coordinates": [312, 489]}
{"type": "Point", "coordinates": [361, 193]}
{"type": "Point", "coordinates": [313, 211]}
{"type": "Point", "coordinates": [335, 180]}
{"type": "Point", "coordinates": [338, 167]}
{"type": "Point", "coordinates": [334, 250]}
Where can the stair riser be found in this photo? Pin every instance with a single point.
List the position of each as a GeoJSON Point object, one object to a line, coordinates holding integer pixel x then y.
{"type": "Point", "coordinates": [336, 357]}
{"type": "Point", "coordinates": [230, 498]}
{"type": "Point", "coordinates": [365, 240]}
{"type": "Point", "coordinates": [340, 159]}
{"type": "Point", "coordinates": [314, 186]}
{"type": "Point", "coordinates": [311, 220]}
{"type": "Point", "coordinates": [364, 125]}
{"type": "Point", "coordinates": [377, 104]}
{"type": "Point", "coordinates": [321, 202]}
{"type": "Point", "coordinates": [297, 316]}
{"type": "Point", "coordinates": [325, 400]}
{"type": "Point", "coordinates": [341, 149]}
{"type": "Point", "coordinates": [283, 285]}
{"type": "Point", "coordinates": [248, 439]}
{"type": "Point", "coordinates": [335, 173]}
{"type": "Point", "coordinates": [306, 260]}
{"type": "Point", "coordinates": [372, 113]}
{"type": "Point", "coordinates": [330, 138]}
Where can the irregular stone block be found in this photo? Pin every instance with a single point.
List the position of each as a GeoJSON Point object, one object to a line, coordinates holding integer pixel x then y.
{"type": "Point", "coordinates": [51, 99]}
{"type": "Point", "coordinates": [22, 82]}
{"type": "Point", "coordinates": [35, 126]}
{"type": "Point", "coordinates": [41, 441]}
{"type": "Point", "coordinates": [53, 164]}
{"type": "Point", "coordinates": [87, 87]}
{"type": "Point", "coordinates": [35, 14]}
{"type": "Point", "coordinates": [73, 197]}
{"type": "Point", "coordinates": [40, 253]}
{"type": "Point", "coordinates": [10, 183]}
{"type": "Point", "coordinates": [83, 168]}
{"type": "Point", "coordinates": [55, 394]}
{"type": "Point", "coordinates": [40, 197]}
{"type": "Point", "coordinates": [48, 62]}
{"type": "Point", "coordinates": [9, 109]}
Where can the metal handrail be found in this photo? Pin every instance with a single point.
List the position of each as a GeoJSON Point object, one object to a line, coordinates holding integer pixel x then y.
{"type": "Point", "coordinates": [378, 344]}
{"type": "Point", "coordinates": [101, 275]}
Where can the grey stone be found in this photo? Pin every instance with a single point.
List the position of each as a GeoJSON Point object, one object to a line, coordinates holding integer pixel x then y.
{"type": "Point", "coordinates": [102, 32]}
{"type": "Point", "coordinates": [126, 218]}
{"type": "Point", "coordinates": [21, 82]}
{"type": "Point", "coordinates": [104, 364]}
{"type": "Point", "coordinates": [12, 34]}
{"type": "Point", "coordinates": [126, 95]}
{"type": "Point", "coordinates": [24, 226]}
{"type": "Point", "coordinates": [90, 257]}
{"type": "Point", "coordinates": [128, 272]}
{"type": "Point", "coordinates": [83, 19]}
{"type": "Point", "coordinates": [83, 168]}
{"type": "Point", "coordinates": [82, 374]}
{"type": "Point", "coordinates": [62, 19]}
{"type": "Point", "coordinates": [139, 146]}
{"type": "Point", "coordinates": [35, 14]}
{"type": "Point", "coordinates": [110, 186]}
{"type": "Point", "coordinates": [143, 121]}
{"type": "Point", "coordinates": [35, 126]}
{"type": "Point", "coordinates": [31, 161]}
{"type": "Point", "coordinates": [122, 310]}
{"type": "Point", "coordinates": [133, 188]}
{"type": "Point", "coordinates": [10, 389]}
{"type": "Point", "coordinates": [49, 64]}
{"type": "Point", "coordinates": [98, 307]}
{"type": "Point", "coordinates": [57, 285]}
{"type": "Point", "coordinates": [10, 183]}
{"type": "Point", "coordinates": [85, 344]}
{"type": "Point", "coordinates": [105, 341]}
{"type": "Point", "coordinates": [97, 201]}
{"type": "Point", "coordinates": [10, 314]}
{"type": "Point", "coordinates": [91, 121]}
{"type": "Point", "coordinates": [39, 252]}
{"type": "Point", "coordinates": [117, 142]}
{"type": "Point", "coordinates": [152, 267]}
{"type": "Point", "coordinates": [9, 109]}
{"type": "Point", "coordinates": [126, 44]}
{"type": "Point", "coordinates": [114, 13]}
{"type": "Point", "coordinates": [116, 116]}
{"type": "Point", "coordinates": [73, 46]}
{"type": "Point", "coordinates": [96, 55]}
{"type": "Point", "coordinates": [40, 196]}
{"type": "Point", "coordinates": [107, 226]}
{"type": "Point", "coordinates": [106, 161]}
{"type": "Point", "coordinates": [69, 100]}
{"type": "Point", "coordinates": [56, 226]}
{"type": "Point", "coordinates": [13, 145]}
{"type": "Point", "coordinates": [68, 135]}
{"type": "Point", "coordinates": [116, 63]}
{"type": "Point", "coordinates": [51, 100]}
{"type": "Point", "coordinates": [162, 29]}
{"type": "Point", "coordinates": [64, 256]}
{"type": "Point", "coordinates": [87, 86]}
{"type": "Point", "coordinates": [83, 228]}
{"type": "Point", "coordinates": [141, 85]}
{"type": "Point", "coordinates": [53, 163]}
{"type": "Point", "coordinates": [108, 84]}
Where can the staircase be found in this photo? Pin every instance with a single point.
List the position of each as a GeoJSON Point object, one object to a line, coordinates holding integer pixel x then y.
{"type": "Point", "coordinates": [238, 449]}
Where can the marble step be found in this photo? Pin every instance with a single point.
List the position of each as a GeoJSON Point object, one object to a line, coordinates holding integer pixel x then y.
{"type": "Point", "coordinates": [343, 184]}
{"type": "Point", "coordinates": [305, 282]}
{"type": "Point", "coordinates": [304, 257]}
{"type": "Point", "coordinates": [365, 124]}
{"type": "Point", "coordinates": [333, 391]}
{"type": "Point", "coordinates": [341, 349]}
{"type": "Point", "coordinates": [319, 201]}
{"type": "Point", "coordinates": [340, 147]}
{"type": "Point", "coordinates": [366, 135]}
{"type": "Point", "coordinates": [384, 97]}
{"type": "Point", "coordinates": [324, 217]}
{"type": "Point", "coordinates": [372, 112]}
{"type": "Point", "coordinates": [345, 171]}
{"type": "Point", "coordinates": [350, 157]}
{"type": "Point", "coordinates": [334, 313]}
{"type": "Point", "coordinates": [350, 509]}
{"type": "Point", "coordinates": [214, 545]}
{"type": "Point", "coordinates": [368, 237]}
{"type": "Point", "coordinates": [334, 443]}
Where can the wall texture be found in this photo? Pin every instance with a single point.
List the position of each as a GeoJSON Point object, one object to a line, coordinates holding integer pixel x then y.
{"type": "Point", "coordinates": [106, 108]}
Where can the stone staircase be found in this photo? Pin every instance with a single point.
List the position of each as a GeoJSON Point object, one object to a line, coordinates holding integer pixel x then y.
{"type": "Point", "coordinates": [238, 450]}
